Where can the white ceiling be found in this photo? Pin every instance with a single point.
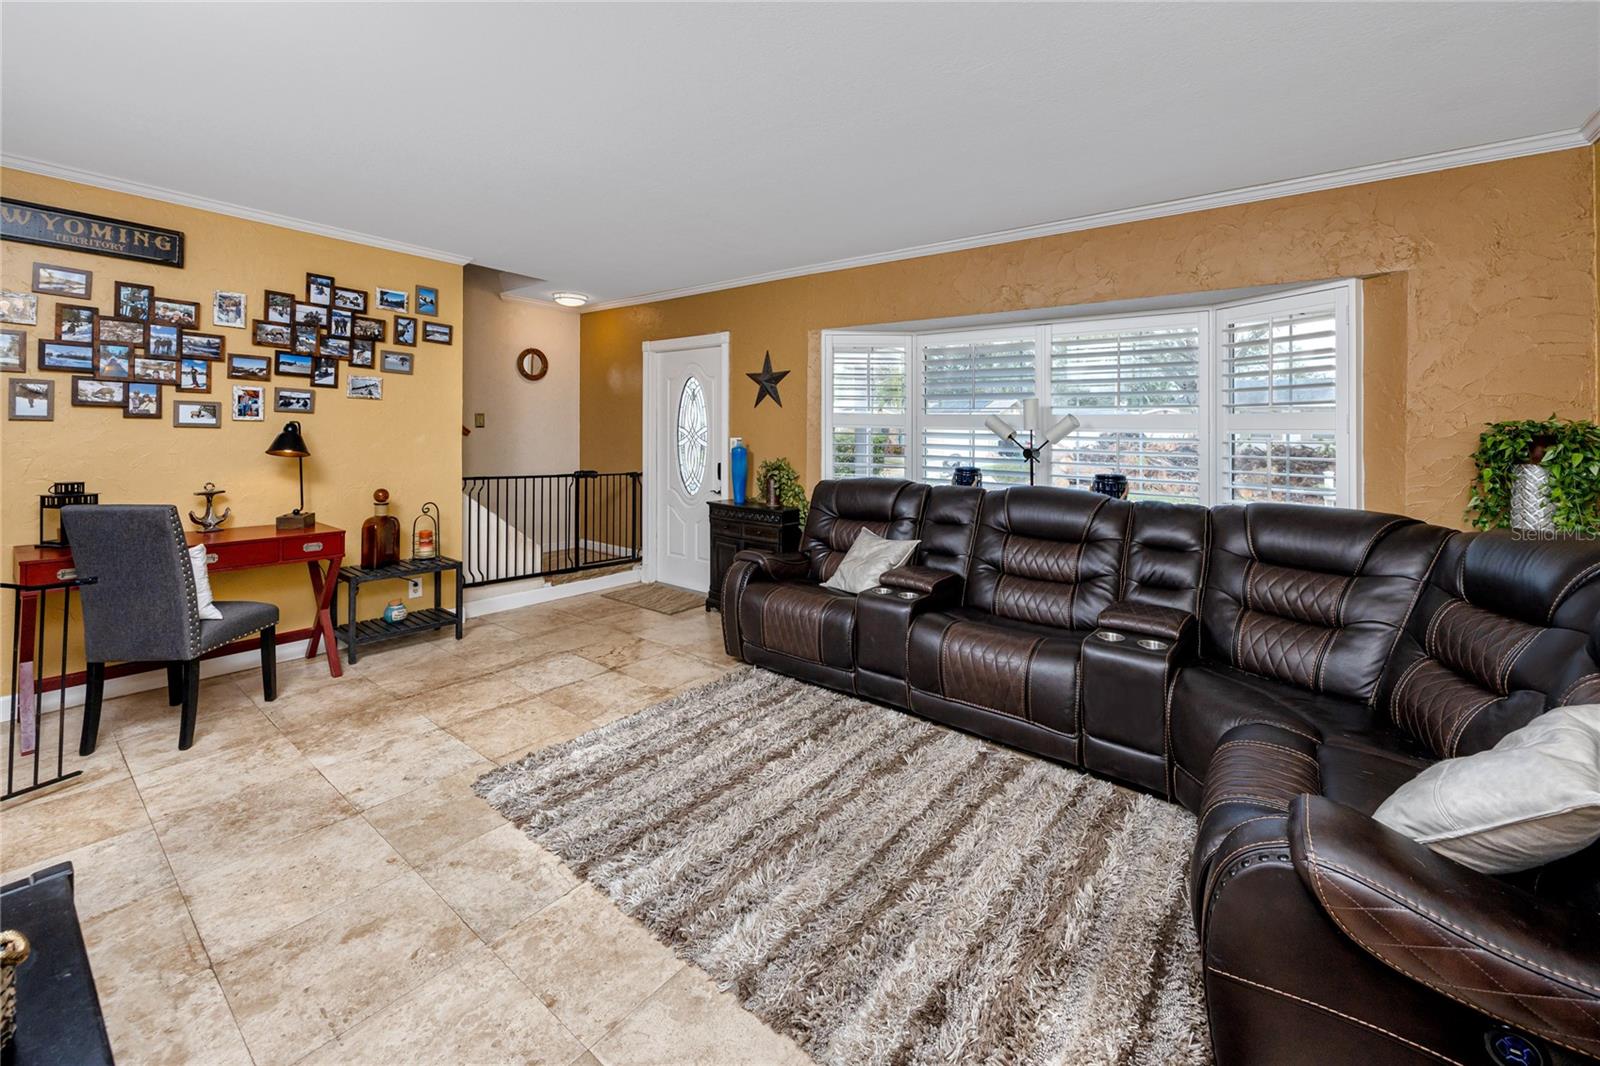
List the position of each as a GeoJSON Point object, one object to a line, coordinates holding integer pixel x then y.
{"type": "Point", "coordinates": [620, 150]}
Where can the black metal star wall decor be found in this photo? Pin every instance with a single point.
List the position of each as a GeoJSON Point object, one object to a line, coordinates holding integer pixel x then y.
{"type": "Point", "coordinates": [768, 381]}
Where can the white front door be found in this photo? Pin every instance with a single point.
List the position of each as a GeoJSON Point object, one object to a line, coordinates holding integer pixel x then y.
{"type": "Point", "coordinates": [688, 457]}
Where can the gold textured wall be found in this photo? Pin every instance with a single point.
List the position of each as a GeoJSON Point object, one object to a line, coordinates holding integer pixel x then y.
{"type": "Point", "coordinates": [1480, 296]}
{"type": "Point", "coordinates": [409, 442]}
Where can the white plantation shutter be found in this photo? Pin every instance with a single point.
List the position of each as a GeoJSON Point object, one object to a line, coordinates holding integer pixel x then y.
{"type": "Point", "coordinates": [1153, 367]}
{"type": "Point", "coordinates": [1253, 400]}
{"type": "Point", "coordinates": [979, 374]}
{"type": "Point", "coordinates": [1286, 407]}
{"type": "Point", "coordinates": [867, 405]}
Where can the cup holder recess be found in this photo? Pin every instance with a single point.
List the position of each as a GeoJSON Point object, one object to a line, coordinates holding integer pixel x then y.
{"type": "Point", "coordinates": [881, 591]}
{"type": "Point", "coordinates": [906, 594]}
{"type": "Point", "coordinates": [1109, 637]}
{"type": "Point", "coordinates": [1154, 645]}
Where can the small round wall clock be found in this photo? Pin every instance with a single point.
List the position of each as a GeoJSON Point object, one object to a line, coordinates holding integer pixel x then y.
{"type": "Point", "coordinates": [532, 364]}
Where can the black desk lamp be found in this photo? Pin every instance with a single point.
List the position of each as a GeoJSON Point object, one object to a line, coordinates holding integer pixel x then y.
{"type": "Point", "coordinates": [291, 445]}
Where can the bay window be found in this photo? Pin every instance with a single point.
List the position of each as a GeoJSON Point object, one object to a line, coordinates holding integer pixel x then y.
{"type": "Point", "coordinates": [1252, 400]}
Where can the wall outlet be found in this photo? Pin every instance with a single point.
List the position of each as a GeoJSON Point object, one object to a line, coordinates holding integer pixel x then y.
{"type": "Point", "coordinates": [414, 587]}
{"type": "Point", "coordinates": [477, 420]}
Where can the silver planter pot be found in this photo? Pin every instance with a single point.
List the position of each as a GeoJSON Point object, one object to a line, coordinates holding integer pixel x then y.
{"type": "Point", "coordinates": [1531, 507]}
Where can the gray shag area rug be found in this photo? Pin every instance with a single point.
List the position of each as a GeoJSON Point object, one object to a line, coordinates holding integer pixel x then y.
{"type": "Point", "coordinates": [879, 888]}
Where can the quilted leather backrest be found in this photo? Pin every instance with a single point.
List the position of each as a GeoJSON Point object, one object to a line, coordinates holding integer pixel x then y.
{"type": "Point", "coordinates": [840, 510]}
{"type": "Point", "coordinates": [949, 528]}
{"type": "Point", "coordinates": [1167, 555]}
{"type": "Point", "coordinates": [1048, 556]}
{"type": "Point", "coordinates": [1504, 631]}
{"type": "Point", "coordinates": [1312, 596]}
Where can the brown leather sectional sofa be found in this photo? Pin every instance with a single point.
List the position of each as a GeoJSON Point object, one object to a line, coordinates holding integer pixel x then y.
{"type": "Point", "coordinates": [1278, 670]}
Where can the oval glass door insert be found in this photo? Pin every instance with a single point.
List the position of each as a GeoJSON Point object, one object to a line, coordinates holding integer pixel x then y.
{"type": "Point", "coordinates": [692, 436]}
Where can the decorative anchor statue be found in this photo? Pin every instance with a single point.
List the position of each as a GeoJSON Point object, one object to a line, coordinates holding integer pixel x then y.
{"type": "Point", "coordinates": [211, 520]}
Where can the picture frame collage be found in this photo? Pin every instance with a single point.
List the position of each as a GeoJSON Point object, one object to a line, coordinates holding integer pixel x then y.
{"type": "Point", "coordinates": [149, 343]}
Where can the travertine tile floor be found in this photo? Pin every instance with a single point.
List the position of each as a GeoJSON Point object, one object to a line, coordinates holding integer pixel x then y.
{"type": "Point", "coordinates": [314, 881]}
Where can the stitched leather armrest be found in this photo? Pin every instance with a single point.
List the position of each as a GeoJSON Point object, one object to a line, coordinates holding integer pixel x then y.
{"type": "Point", "coordinates": [923, 579]}
{"type": "Point", "coordinates": [1526, 961]}
{"type": "Point", "coordinates": [1146, 620]}
{"type": "Point", "coordinates": [775, 566]}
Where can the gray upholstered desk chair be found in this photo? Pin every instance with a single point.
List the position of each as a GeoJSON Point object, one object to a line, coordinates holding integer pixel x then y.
{"type": "Point", "coordinates": [142, 607]}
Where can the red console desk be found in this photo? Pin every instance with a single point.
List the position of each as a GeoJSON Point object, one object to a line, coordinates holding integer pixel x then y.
{"type": "Point", "coordinates": [320, 548]}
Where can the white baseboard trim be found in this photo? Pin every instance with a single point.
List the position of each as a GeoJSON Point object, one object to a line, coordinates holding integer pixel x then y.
{"type": "Point", "coordinates": [514, 594]}
{"type": "Point", "coordinates": [157, 678]}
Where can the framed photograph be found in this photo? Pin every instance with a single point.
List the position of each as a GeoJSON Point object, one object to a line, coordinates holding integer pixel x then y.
{"type": "Point", "coordinates": [30, 400]}
{"type": "Point", "coordinates": [123, 331]}
{"type": "Point", "coordinates": [113, 362]}
{"type": "Point", "coordinates": [319, 289]}
{"type": "Point", "coordinates": [194, 375]}
{"type": "Point", "coordinates": [394, 300]}
{"type": "Point", "coordinates": [62, 281]}
{"type": "Point", "coordinates": [197, 414]}
{"type": "Point", "coordinates": [76, 322]}
{"type": "Point", "coordinates": [368, 329]}
{"type": "Point", "coordinates": [161, 341]}
{"type": "Point", "coordinates": [279, 306]}
{"type": "Point", "coordinates": [306, 338]}
{"type": "Point", "coordinates": [133, 301]}
{"type": "Point", "coordinates": [250, 367]}
{"type": "Point", "coordinates": [184, 313]}
{"type": "Point", "coordinates": [324, 372]}
{"type": "Point", "coordinates": [202, 345]}
{"type": "Point", "coordinates": [405, 331]}
{"type": "Point", "coordinates": [272, 334]}
{"type": "Point", "coordinates": [92, 392]}
{"type": "Point", "coordinates": [67, 356]}
{"type": "Point", "coordinates": [291, 364]}
{"type": "Point", "coordinates": [362, 353]}
{"type": "Point", "coordinates": [350, 300]}
{"type": "Point", "coordinates": [294, 401]}
{"type": "Point", "coordinates": [143, 400]}
{"type": "Point", "coordinates": [19, 308]}
{"type": "Point", "coordinates": [227, 310]}
{"type": "Point", "coordinates": [427, 300]}
{"type": "Point", "coordinates": [363, 387]}
{"type": "Point", "coordinates": [337, 347]}
{"type": "Point", "coordinates": [156, 371]}
{"type": "Point", "coordinates": [249, 403]}
{"type": "Point", "coordinates": [311, 314]}
{"type": "Point", "coordinates": [397, 362]}
{"type": "Point", "coordinates": [13, 351]}
{"type": "Point", "coordinates": [340, 323]}
{"type": "Point", "coordinates": [438, 333]}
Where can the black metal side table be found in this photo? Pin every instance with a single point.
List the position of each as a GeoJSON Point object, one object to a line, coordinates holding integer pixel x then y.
{"type": "Point", "coordinates": [353, 633]}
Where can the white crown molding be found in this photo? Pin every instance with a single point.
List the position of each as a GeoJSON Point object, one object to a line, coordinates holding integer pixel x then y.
{"type": "Point", "coordinates": [1422, 164]}
{"type": "Point", "coordinates": [1590, 130]}
{"type": "Point", "coordinates": [220, 207]}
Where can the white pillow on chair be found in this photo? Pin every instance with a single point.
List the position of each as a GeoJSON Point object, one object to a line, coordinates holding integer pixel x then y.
{"type": "Point", "coordinates": [1531, 799]}
{"type": "Point", "coordinates": [866, 561]}
{"type": "Point", "coordinates": [202, 583]}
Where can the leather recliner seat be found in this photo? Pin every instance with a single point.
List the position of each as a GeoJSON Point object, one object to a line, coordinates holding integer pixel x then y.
{"type": "Point", "coordinates": [1280, 671]}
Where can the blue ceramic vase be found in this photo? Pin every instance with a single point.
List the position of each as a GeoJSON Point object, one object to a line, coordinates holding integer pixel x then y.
{"type": "Point", "coordinates": [739, 469]}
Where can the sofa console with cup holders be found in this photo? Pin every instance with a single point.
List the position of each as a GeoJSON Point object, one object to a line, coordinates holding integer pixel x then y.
{"type": "Point", "coordinates": [1279, 670]}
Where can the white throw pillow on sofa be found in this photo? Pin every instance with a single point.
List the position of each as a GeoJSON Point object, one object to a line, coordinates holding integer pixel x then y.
{"type": "Point", "coordinates": [1531, 799]}
{"type": "Point", "coordinates": [202, 583]}
{"type": "Point", "coordinates": [867, 560]}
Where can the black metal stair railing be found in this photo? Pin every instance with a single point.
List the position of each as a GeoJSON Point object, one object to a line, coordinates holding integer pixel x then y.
{"type": "Point", "coordinates": [539, 525]}
{"type": "Point", "coordinates": [28, 749]}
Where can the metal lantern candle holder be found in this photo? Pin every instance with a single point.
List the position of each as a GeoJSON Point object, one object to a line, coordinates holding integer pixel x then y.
{"type": "Point", "coordinates": [61, 494]}
{"type": "Point", "coordinates": [425, 533]}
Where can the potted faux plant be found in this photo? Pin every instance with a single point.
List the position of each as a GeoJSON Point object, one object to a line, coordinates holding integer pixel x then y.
{"type": "Point", "coordinates": [1541, 475]}
{"type": "Point", "coordinates": [780, 486]}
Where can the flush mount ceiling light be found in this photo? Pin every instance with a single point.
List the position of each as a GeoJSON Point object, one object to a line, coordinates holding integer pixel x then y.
{"type": "Point", "coordinates": [569, 299]}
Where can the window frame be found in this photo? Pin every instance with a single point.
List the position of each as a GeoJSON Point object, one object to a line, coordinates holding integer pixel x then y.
{"type": "Point", "coordinates": [1211, 423]}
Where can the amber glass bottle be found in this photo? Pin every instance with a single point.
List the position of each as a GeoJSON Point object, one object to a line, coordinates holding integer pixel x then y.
{"type": "Point", "coordinates": [380, 534]}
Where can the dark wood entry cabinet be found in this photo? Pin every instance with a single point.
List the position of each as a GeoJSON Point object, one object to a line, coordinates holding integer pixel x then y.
{"type": "Point", "coordinates": [735, 527]}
